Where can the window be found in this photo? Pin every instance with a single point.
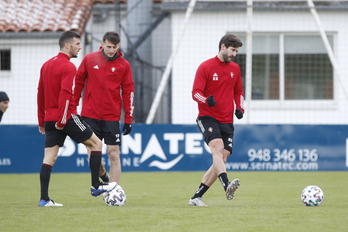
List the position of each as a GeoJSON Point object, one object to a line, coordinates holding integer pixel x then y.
{"type": "Point", "coordinates": [300, 62]}
{"type": "Point", "coordinates": [5, 60]}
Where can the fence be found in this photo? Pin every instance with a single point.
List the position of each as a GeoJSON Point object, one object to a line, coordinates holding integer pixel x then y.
{"type": "Point", "coordinates": [289, 74]}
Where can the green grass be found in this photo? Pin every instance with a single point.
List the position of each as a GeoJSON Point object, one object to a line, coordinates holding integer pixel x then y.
{"type": "Point", "coordinates": [157, 201]}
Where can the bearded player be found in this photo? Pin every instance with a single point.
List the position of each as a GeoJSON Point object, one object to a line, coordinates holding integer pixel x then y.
{"type": "Point", "coordinates": [218, 90]}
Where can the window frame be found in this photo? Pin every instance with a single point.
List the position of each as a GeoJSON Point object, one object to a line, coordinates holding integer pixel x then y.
{"type": "Point", "coordinates": [10, 58]}
{"type": "Point", "coordinates": [296, 104]}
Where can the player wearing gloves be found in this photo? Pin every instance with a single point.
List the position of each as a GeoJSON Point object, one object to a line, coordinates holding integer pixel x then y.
{"type": "Point", "coordinates": [217, 89]}
{"type": "Point", "coordinates": [108, 84]}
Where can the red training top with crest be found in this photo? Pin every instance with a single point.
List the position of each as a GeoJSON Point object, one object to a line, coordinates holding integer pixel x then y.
{"type": "Point", "coordinates": [106, 81]}
{"type": "Point", "coordinates": [223, 80]}
{"type": "Point", "coordinates": [55, 90]}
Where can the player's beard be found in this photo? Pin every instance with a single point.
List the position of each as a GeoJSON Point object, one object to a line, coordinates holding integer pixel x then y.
{"type": "Point", "coordinates": [74, 53]}
{"type": "Point", "coordinates": [226, 58]}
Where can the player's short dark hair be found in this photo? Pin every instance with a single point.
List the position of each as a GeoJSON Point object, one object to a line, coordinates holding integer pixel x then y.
{"type": "Point", "coordinates": [230, 41]}
{"type": "Point", "coordinates": [3, 96]}
{"type": "Point", "coordinates": [66, 37]}
{"type": "Point", "coordinates": [112, 37]}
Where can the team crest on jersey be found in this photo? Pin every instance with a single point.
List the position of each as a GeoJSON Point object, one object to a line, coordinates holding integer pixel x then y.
{"type": "Point", "coordinates": [215, 77]}
{"type": "Point", "coordinates": [232, 74]}
{"type": "Point", "coordinates": [113, 69]}
{"type": "Point", "coordinates": [210, 129]}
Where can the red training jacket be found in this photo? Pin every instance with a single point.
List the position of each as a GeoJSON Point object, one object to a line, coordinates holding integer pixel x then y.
{"type": "Point", "coordinates": [106, 81]}
{"type": "Point", "coordinates": [223, 80]}
{"type": "Point", "coordinates": [55, 90]}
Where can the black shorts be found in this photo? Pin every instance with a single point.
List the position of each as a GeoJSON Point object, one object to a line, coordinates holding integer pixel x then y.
{"type": "Point", "coordinates": [107, 130]}
{"type": "Point", "coordinates": [75, 128]}
{"type": "Point", "coordinates": [212, 129]}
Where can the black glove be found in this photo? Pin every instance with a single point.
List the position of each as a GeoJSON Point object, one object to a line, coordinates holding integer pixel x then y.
{"type": "Point", "coordinates": [127, 128]}
{"type": "Point", "coordinates": [210, 100]}
{"type": "Point", "coordinates": [239, 113]}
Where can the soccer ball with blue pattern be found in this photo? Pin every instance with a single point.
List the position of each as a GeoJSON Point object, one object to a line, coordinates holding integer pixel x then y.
{"type": "Point", "coordinates": [115, 197]}
{"type": "Point", "coordinates": [312, 196]}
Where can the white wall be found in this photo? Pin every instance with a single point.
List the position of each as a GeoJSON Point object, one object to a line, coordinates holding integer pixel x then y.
{"type": "Point", "coordinates": [201, 42]}
{"type": "Point", "coordinates": [21, 82]}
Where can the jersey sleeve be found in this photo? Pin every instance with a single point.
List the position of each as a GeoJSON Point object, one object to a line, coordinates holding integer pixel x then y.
{"type": "Point", "coordinates": [199, 86]}
{"type": "Point", "coordinates": [66, 94]}
{"type": "Point", "coordinates": [40, 101]}
{"type": "Point", "coordinates": [238, 93]}
{"type": "Point", "coordinates": [128, 95]}
{"type": "Point", "coordinates": [80, 79]}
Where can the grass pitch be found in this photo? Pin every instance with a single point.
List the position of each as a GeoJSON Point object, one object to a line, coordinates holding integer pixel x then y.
{"type": "Point", "coordinates": [158, 201]}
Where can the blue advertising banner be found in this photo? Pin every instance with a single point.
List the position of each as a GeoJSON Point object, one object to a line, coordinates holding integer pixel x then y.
{"type": "Point", "coordinates": [166, 147]}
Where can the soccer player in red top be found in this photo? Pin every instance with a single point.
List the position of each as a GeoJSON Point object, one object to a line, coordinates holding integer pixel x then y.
{"type": "Point", "coordinates": [107, 79]}
{"type": "Point", "coordinates": [218, 90]}
{"type": "Point", "coordinates": [58, 118]}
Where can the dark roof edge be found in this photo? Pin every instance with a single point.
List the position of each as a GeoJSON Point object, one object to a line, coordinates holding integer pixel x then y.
{"type": "Point", "coordinates": [257, 6]}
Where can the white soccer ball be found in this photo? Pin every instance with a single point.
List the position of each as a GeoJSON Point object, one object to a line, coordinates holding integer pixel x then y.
{"type": "Point", "coordinates": [312, 196]}
{"type": "Point", "coordinates": [115, 197]}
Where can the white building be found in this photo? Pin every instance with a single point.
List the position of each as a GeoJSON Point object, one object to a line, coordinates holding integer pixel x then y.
{"type": "Point", "coordinates": [286, 45]}
{"type": "Point", "coordinates": [293, 81]}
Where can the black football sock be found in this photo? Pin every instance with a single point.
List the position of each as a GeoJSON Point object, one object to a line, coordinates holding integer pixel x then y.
{"type": "Point", "coordinates": [200, 191]}
{"type": "Point", "coordinates": [105, 177]}
{"type": "Point", "coordinates": [45, 176]}
{"type": "Point", "coordinates": [94, 165]}
{"type": "Point", "coordinates": [224, 180]}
